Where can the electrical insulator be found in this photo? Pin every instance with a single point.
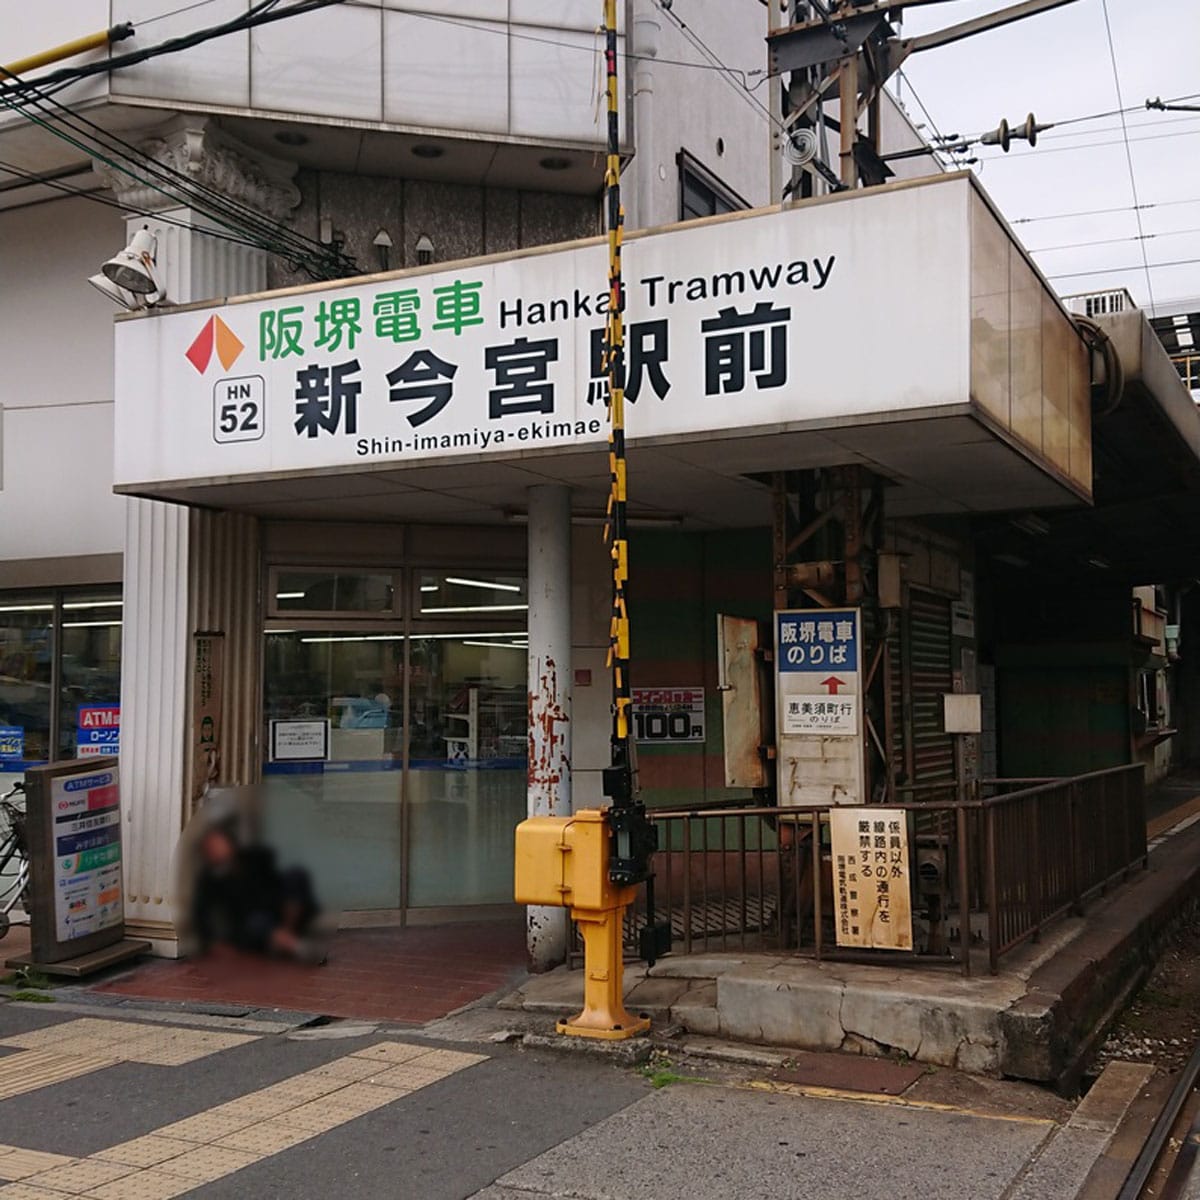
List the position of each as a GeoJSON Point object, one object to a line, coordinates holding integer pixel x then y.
{"type": "Point", "coordinates": [1002, 135]}
{"type": "Point", "coordinates": [997, 137]}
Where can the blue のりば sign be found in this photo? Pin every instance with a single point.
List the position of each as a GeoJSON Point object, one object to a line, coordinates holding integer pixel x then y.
{"type": "Point", "coordinates": [821, 640]}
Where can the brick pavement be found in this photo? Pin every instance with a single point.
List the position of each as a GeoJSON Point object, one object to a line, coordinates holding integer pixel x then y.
{"type": "Point", "coordinates": [407, 976]}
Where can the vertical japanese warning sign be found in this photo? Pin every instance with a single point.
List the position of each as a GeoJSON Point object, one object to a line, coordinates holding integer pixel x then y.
{"type": "Point", "coordinates": [817, 653]}
{"type": "Point", "coordinates": [207, 661]}
{"type": "Point", "coordinates": [872, 898]}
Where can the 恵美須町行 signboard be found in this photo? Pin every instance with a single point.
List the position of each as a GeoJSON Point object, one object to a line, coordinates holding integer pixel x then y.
{"type": "Point", "coordinates": [818, 705]}
{"type": "Point", "coordinates": [731, 326]}
{"type": "Point", "coordinates": [817, 664]}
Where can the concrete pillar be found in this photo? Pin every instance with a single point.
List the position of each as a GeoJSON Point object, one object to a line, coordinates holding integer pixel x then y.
{"type": "Point", "coordinates": [162, 546]}
{"type": "Point", "coordinates": [549, 771]}
{"type": "Point", "coordinates": [153, 711]}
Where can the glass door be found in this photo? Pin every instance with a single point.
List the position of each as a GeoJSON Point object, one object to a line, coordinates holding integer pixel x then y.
{"type": "Point", "coordinates": [334, 739]}
{"type": "Point", "coordinates": [468, 735]}
{"type": "Point", "coordinates": [395, 733]}
{"type": "Point", "coordinates": [466, 775]}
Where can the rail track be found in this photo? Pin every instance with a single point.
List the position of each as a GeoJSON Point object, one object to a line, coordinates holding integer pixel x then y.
{"type": "Point", "coordinates": [1167, 1167]}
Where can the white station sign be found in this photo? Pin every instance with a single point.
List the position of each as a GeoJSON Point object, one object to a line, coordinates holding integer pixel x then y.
{"type": "Point", "coordinates": [758, 322]}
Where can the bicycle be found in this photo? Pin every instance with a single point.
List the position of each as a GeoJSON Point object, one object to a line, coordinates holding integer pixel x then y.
{"type": "Point", "coordinates": [14, 851]}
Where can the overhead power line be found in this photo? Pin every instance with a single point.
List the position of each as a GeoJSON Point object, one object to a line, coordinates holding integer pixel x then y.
{"type": "Point", "coordinates": [262, 13]}
{"type": "Point", "coordinates": [1112, 55]}
{"type": "Point", "coordinates": [1041, 153]}
{"type": "Point", "coordinates": [143, 21]}
{"type": "Point", "coordinates": [1138, 237]}
{"type": "Point", "coordinates": [1142, 266]}
{"type": "Point", "coordinates": [1101, 212]}
{"type": "Point", "coordinates": [99, 197]}
{"type": "Point", "coordinates": [715, 60]}
{"type": "Point", "coordinates": [937, 151]}
{"type": "Point", "coordinates": [318, 260]}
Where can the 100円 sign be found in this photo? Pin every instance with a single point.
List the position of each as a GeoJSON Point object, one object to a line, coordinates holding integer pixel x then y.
{"type": "Point", "coordinates": [668, 714]}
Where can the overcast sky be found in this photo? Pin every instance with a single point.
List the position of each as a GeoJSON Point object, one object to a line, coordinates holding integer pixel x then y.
{"type": "Point", "coordinates": [1058, 66]}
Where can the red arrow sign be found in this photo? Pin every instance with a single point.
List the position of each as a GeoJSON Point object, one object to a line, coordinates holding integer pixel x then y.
{"type": "Point", "coordinates": [833, 683]}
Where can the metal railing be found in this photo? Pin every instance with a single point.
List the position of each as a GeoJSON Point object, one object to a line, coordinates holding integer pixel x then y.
{"type": "Point", "coordinates": [988, 871]}
{"type": "Point", "coordinates": [1050, 848]}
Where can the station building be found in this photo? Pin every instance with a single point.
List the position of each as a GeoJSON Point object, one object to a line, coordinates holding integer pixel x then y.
{"type": "Point", "coordinates": [344, 539]}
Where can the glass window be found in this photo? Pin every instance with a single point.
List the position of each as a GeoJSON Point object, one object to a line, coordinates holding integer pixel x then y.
{"type": "Point", "coordinates": [472, 595]}
{"type": "Point", "coordinates": [89, 714]}
{"type": "Point", "coordinates": [26, 678]}
{"type": "Point", "coordinates": [332, 591]}
{"type": "Point", "coordinates": [701, 194]}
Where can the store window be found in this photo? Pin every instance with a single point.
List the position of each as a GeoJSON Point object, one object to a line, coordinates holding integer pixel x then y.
{"type": "Point", "coordinates": [60, 676]}
{"type": "Point", "coordinates": [453, 596]}
{"type": "Point", "coordinates": [332, 592]}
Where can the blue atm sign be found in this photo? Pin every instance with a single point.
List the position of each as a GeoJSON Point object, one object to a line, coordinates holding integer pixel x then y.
{"type": "Point", "coordinates": [821, 640]}
{"type": "Point", "coordinates": [98, 730]}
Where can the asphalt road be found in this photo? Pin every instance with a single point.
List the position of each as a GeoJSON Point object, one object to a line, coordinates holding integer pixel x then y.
{"type": "Point", "coordinates": [517, 1124]}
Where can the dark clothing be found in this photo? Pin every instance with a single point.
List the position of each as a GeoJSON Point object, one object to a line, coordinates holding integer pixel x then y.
{"type": "Point", "coordinates": [242, 905]}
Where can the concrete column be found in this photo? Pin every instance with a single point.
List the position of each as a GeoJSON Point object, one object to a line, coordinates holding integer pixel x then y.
{"type": "Point", "coordinates": [153, 710]}
{"type": "Point", "coordinates": [549, 771]}
{"type": "Point", "coordinates": [164, 550]}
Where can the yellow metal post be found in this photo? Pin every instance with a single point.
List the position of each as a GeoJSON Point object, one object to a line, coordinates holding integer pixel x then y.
{"type": "Point", "coordinates": [604, 1013]}
{"type": "Point", "coordinates": [564, 860]}
{"type": "Point", "coordinates": [92, 41]}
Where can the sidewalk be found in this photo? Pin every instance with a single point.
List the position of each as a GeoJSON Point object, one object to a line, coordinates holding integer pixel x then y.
{"type": "Point", "coordinates": [125, 1104]}
{"type": "Point", "coordinates": [405, 976]}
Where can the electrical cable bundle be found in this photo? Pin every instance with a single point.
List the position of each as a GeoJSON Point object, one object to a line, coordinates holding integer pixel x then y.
{"type": "Point", "coordinates": [240, 222]}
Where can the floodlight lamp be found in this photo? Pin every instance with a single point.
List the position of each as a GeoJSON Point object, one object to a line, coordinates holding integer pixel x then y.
{"type": "Point", "coordinates": [117, 295]}
{"type": "Point", "coordinates": [133, 268]}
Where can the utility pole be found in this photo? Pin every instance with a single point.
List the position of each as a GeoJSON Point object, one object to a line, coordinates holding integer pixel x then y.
{"type": "Point", "coordinates": [592, 862]}
{"type": "Point", "coordinates": [634, 839]}
{"type": "Point", "coordinates": [847, 50]}
{"type": "Point", "coordinates": [775, 109]}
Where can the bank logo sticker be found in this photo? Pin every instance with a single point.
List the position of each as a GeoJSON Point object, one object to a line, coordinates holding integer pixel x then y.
{"type": "Point", "coordinates": [215, 335]}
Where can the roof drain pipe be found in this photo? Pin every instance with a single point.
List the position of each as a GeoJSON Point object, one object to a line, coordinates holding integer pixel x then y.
{"type": "Point", "coordinates": [1113, 380]}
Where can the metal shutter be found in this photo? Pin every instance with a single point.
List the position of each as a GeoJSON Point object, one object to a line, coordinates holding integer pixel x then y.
{"type": "Point", "coordinates": [930, 674]}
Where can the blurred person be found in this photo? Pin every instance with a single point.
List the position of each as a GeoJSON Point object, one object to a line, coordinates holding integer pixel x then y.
{"type": "Point", "coordinates": [242, 901]}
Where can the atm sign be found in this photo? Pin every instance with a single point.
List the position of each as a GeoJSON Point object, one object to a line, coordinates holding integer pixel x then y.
{"type": "Point", "coordinates": [98, 730]}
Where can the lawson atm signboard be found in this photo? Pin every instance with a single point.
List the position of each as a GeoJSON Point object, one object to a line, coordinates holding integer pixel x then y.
{"type": "Point", "coordinates": [73, 812]}
{"type": "Point", "coordinates": [734, 326]}
{"type": "Point", "coordinates": [87, 853]}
